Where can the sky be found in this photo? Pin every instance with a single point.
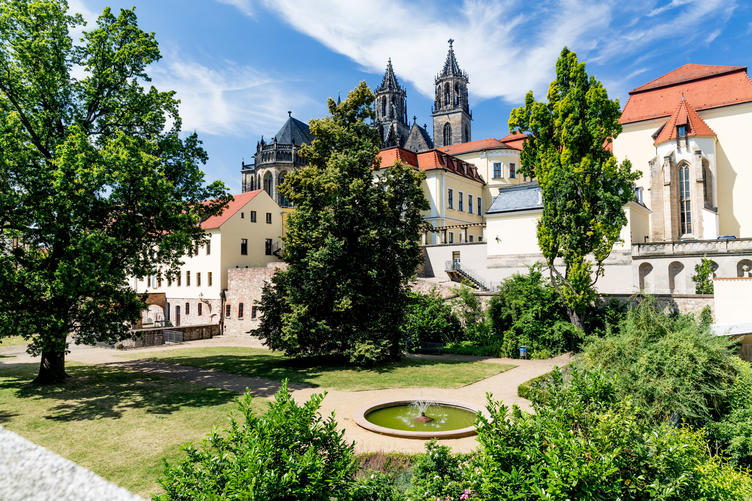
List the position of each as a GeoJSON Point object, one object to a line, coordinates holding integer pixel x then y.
{"type": "Point", "coordinates": [238, 66]}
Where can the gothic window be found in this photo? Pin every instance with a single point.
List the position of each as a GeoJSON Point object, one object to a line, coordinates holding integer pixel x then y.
{"type": "Point", "coordinates": [456, 94]}
{"type": "Point", "coordinates": [383, 107]}
{"type": "Point", "coordinates": [447, 134]}
{"type": "Point", "coordinates": [446, 94]}
{"type": "Point", "coordinates": [684, 200]}
{"type": "Point", "coordinates": [707, 186]}
{"type": "Point", "coordinates": [466, 136]}
{"type": "Point", "coordinates": [268, 183]}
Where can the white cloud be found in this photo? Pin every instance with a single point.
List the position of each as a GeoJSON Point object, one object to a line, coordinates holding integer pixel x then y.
{"type": "Point", "coordinates": [229, 99]}
{"type": "Point", "coordinates": [244, 6]}
{"type": "Point", "coordinates": [506, 46]}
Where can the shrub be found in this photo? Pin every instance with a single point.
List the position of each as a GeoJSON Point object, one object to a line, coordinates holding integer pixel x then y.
{"type": "Point", "coordinates": [428, 318]}
{"type": "Point", "coordinates": [290, 452]}
{"type": "Point", "coordinates": [535, 389]}
{"type": "Point", "coordinates": [438, 474]}
{"type": "Point", "coordinates": [527, 311]}
{"type": "Point", "coordinates": [375, 486]}
{"type": "Point", "coordinates": [491, 348]}
{"type": "Point", "coordinates": [669, 364]}
{"type": "Point", "coordinates": [469, 309]}
{"type": "Point", "coordinates": [703, 277]}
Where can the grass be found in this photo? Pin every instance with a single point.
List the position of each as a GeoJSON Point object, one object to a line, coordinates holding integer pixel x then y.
{"type": "Point", "coordinates": [118, 423]}
{"type": "Point", "coordinates": [409, 372]}
{"type": "Point", "coordinates": [12, 341]}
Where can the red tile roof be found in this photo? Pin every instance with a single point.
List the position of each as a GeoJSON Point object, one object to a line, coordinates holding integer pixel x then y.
{"type": "Point", "coordinates": [478, 145]}
{"type": "Point", "coordinates": [238, 202]}
{"type": "Point", "coordinates": [430, 160]}
{"type": "Point", "coordinates": [515, 140]}
{"type": "Point", "coordinates": [705, 86]}
{"type": "Point", "coordinates": [685, 115]}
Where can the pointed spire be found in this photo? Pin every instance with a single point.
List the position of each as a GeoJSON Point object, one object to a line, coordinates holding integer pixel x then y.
{"type": "Point", "coordinates": [451, 68]}
{"type": "Point", "coordinates": [390, 80]}
{"type": "Point", "coordinates": [339, 98]}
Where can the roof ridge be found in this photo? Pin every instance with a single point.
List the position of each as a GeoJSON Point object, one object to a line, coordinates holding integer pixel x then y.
{"type": "Point", "coordinates": [653, 84]}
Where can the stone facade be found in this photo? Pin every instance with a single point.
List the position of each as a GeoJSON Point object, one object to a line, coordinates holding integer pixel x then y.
{"type": "Point", "coordinates": [186, 311]}
{"type": "Point", "coordinates": [244, 286]}
{"type": "Point", "coordinates": [451, 109]}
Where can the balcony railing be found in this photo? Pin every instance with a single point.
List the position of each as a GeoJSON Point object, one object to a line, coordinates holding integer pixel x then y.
{"type": "Point", "coordinates": [693, 247]}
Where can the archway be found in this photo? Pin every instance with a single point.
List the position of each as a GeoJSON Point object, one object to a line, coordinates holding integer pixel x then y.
{"type": "Point", "coordinates": [269, 184]}
{"type": "Point", "coordinates": [646, 280]}
{"type": "Point", "coordinates": [676, 277]}
{"type": "Point", "coordinates": [741, 271]}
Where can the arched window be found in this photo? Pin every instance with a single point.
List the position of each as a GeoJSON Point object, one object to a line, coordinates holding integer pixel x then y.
{"type": "Point", "coordinates": [447, 134]}
{"type": "Point", "coordinates": [269, 184]}
{"type": "Point", "coordinates": [684, 200]}
{"type": "Point", "coordinates": [743, 268]}
{"type": "Point", "coordinates": [456, 94]}
{"type": "Point", "coordinates": [707, 185]}
{"type": "Point", "coordinates": [383, 106]}
{"type": "Point", "coordinates": [446, 94]}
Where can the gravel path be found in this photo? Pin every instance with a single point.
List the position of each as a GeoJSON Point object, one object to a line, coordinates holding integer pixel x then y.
{"type": "Point", "coordinates": [30, 472]}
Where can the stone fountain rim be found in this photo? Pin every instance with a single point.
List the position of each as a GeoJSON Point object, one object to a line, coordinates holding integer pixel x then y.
{"type": "Point", "coordinates": [360, 419]}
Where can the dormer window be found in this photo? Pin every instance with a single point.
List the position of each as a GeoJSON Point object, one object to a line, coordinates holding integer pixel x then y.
{"type": "Point", "coordinates": [681, 131]}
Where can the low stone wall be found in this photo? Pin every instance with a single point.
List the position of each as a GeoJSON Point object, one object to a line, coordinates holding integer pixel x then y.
{"type": "Point", "coordinates": [156, 336]}
{"type": "Point", "coordinates": [684, 303]}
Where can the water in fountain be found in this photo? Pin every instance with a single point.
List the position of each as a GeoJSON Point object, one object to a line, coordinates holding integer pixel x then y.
{"type": "Point", "coordinates": [422, 406]}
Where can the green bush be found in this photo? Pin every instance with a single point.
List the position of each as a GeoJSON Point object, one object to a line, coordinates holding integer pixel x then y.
{"type": "Point", "coordinates": [438, 474]}
{"type": "Point", "coordinates": [428, 318]}
{"type": "Point", "coordinates": [535, 389]}
{"type": "Point", "coordinates": [290, 452]}
{"type": "Point", "coordinates": [587, 443]}
{"type": "Point", "coordinates": [492, 348]}
{"type": "Point", "coordinates": [703, 277]}
{"type": "Point", "coordinates": [375, 486]}
{"type": "Point", "coordinates": [671, 365]}
{"type": "Point", "coordinates": [528, 311]}
{"type": "Point", "coordinates": [473, 318]}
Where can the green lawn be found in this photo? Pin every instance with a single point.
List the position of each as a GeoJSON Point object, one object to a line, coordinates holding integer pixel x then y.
{"type": "Point", "coordinates": [12, 341]}
{"type": "Point", "coordinates": [115, 422]}
{"type": "Point", "coordinates": [263, 363]}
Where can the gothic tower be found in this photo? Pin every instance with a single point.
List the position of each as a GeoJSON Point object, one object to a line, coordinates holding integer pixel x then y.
{"type": "Point", "coordinates": [391, 110]}
{"type": "Point", "coordinates": [451, 110]}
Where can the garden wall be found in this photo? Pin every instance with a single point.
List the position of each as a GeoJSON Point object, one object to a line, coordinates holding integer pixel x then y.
{"type": "Point", "coordinates": [156, 336]}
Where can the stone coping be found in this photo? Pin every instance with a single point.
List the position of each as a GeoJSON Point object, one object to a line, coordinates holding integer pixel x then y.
{"type": "Point", "coordinates": [360, 419]}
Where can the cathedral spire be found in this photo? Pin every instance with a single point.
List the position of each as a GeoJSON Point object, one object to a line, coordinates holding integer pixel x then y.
{"type": "Point", "coordinates": [389, 83]}
{"type": "Point", "coordinates": [451, 67]}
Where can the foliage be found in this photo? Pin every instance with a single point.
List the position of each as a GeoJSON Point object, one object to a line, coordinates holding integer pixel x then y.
{"type": "Point", "coordinates": [96, 183]}
{"type": "Point", "coordinates": [290, 452]}
{"type": "Point", "coordinates": [471, 313]}
{"type": "Point", "coordinates": [703, 277]}
{"type": "Point", "coordinates": [535, 389]}
{"type": "Point", "coordinates": [375, 486]}
{"type": "Point", "coordinates": [587, 443]}
{"type": "Point", "coordinates": [527, 311]}
{"type": "Point", "coordinates": [671, 365]}
{"type": "Point", "coordinates": [438, 474]}
{"type": "Point", "coordinates": [584, 189]}
{"type": "Point", "coordinates": [428, 318]}
{"type": "Point", "coordinates": [352, 243]}
{"type": "Point", "coordinates": [491, 348]}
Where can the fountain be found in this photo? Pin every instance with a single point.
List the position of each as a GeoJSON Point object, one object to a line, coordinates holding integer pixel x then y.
{"type": "Point", "coordinates": [418, 418]}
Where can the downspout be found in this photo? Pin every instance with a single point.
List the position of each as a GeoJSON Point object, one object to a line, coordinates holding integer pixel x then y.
{"type": "Point", "coordinates": [223, 299]}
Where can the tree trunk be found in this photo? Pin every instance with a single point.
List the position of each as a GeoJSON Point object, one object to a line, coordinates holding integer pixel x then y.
{"type": "Point", "coordinates": [576, 319]}
{"type": "Point", "coordinates": [51, 368]}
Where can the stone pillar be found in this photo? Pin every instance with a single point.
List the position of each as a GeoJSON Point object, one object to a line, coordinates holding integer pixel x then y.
{"type": "Point", "coordinates": [697, 194]}
{"type": "Point", "coordinates": [669, 200]}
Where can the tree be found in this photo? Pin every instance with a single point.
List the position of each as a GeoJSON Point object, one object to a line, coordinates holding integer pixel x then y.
{"type": "Point", "coordinates": [584, 188]}
{"type": "Point", "coordinates": [352, 244]}
{"type": "Point", "coordinates": [96, 184]}
{"type": "Point", "coordinates": [703, 277]}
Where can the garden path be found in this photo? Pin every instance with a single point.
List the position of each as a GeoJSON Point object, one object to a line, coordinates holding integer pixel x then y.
{"type": "Point", "coordinates": [343, 403]}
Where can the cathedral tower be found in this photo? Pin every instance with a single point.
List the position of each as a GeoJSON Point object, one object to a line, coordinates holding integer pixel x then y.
{"type": "Point", "coordinates": [451, 110]}
{"type": "Point", "coordinates": [391, 110]}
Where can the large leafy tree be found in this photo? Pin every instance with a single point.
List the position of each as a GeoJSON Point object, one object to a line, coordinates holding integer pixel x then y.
{"type": "Point", "coordinates": [96, 183]}
{"type": "Point", "coordinates": [352, 243]}
{"type": "Point", "coordinates": [584, 188]}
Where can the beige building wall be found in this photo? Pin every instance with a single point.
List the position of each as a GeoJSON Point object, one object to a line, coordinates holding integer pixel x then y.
{"type": "Point", "coordinates": [733, 297]}
{"type": "Point", "coordinates": [437, 185]}
{"type": "Point", "coordinates": [484, 161]}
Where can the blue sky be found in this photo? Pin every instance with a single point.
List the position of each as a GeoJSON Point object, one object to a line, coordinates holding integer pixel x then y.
{"type": "Point", "coordinates": [239, 65]}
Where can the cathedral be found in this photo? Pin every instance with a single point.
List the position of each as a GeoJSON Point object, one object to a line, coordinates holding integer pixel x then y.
{"type": "Point", "coordinates": [451, 125]}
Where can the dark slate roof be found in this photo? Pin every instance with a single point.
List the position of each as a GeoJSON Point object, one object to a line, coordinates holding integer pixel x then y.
{"type": "Point", "coordinates": [423, 133]}
{"type": "Point", "coordinates": [389, 83]}
{"type": "Point", "coordinates": [517, 198]}
{"type": "Point", "coordinates": [451, 68]}
{"type": "Point", "coordinates": [294, 131]}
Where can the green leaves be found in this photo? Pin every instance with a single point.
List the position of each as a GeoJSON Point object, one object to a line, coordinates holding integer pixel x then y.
{"type": "Point", "coordinates": [351, 245]}
{"type": "Point", "coordinates": [96, 184]}
{"type": "Point", "coordinates": [584, 189]}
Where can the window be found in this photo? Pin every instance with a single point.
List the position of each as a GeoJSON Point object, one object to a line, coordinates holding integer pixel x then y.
{"type": "Point", "coordinates": [470, 204]}
{"type": "Point", "coordinates": [684, 202]}
{"type": "Point", "coordinates": [169, 282]}
{"type": "Point", "coordinates": [254, 311]}
{"type": "Point", "coordinates": [681, 130]}
{"type": "Point", "coordinates": [638, 194]}
{"type": "Point", "coordinates": [450, 198]}
{"type": "Point", "coordinates": [253, 216]}
{"type": "Point", "coordinates": [208, 248]}
{"type": "Point", "coordinates": [187, 308]}
{"type": "Point", "coordinates": [268, 247]}
{"type": "Point", "coordinates": [187, 279]}
{"type": "Point", "coordinates": [480, 238]}
{"type": "Point", "coordinates": [167, 312]}
{"type": "Point", "coordinates": [268, 218]}
{"type": "Point", "coordinates": [198, 312]}
{"type": "Point", "coordinates": [497, 170]}
{"type": "Point", "coordinates": [242, 215]}
{"type": "Point", "coordinates": [460, 202]}
{"type": "Point", "coordinates": [512, 171]}
{"type": "Point", "coordinates": [451, 237]}
{"type": "Point", "coordinates": [198, 279]}
{"type": "Point", "coordinates": [240, 310]}
{"type": "Point", "coordinates": [243, 246]}
{"type": "Point", "coordinates": [470, 238]}
{"type": "Point", "coordinates": [227, 310]}
{"type": "Point", "coordinates": [153, 282]}
{"type": "Point", "coordinates": [178, 277]}
{"type": "Point", "coordinates": [209, 278]}
{"type": "Point", "coordinates": [159, 282]}
{"type": "Point", "coordinates": [460, 237]}
{"type": "Point", "coordinates": [480, 211]}
{"type": "Point", "coordinates": [447, 134]}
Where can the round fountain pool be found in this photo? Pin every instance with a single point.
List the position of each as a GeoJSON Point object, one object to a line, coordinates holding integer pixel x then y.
{"type": "Point", "coordinates": [417, 419]}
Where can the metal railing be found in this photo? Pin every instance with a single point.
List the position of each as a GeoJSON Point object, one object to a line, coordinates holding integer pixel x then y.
{"type": "Point", "coordinates": [469, 275]}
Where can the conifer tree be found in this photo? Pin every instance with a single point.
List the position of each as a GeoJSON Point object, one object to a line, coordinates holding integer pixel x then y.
{"type": "Point", "coordinates": [584, 188]}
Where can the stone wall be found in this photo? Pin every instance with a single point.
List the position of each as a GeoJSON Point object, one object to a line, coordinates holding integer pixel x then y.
{"type": "Point", "coordinates": [684, 303]}
{"type": "Point", "coordinates": [209, 311]}
{"type": "Point", "coordinates": [244, 286]}
{"type": "Point", "coordinates": [156, 336]}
